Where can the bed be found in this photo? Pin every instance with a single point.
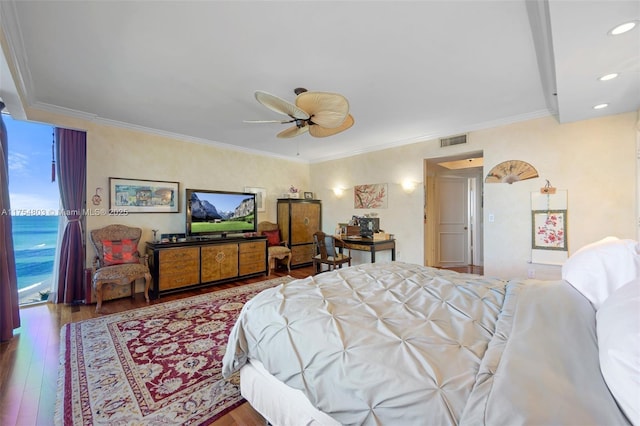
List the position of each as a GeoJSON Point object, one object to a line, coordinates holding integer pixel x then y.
{"type": "Point", "coordinates": [397, 343]}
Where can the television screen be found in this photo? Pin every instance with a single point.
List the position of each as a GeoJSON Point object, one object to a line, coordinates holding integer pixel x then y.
{"type": "Point", "coordinates": [220, 212]}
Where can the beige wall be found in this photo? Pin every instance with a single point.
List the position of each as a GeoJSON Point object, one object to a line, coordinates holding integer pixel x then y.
{"type": "Point", "coordinates": [595, 161]}
{"type": "Point", "coordinates": [124, 153]}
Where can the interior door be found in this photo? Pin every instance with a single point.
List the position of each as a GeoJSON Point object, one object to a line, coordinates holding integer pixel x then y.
{"type": "Point", "coordinates": [452, 221]}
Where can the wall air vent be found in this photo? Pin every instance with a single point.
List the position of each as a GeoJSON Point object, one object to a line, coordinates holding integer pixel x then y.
{"type": "Point", "coordinates": [453, 140]}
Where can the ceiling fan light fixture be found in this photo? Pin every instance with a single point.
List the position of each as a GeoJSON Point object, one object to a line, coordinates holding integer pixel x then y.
{"type": "Point", "coordinates": [608, 77]}
{"type": "Point", "coordinates": [623, 28]}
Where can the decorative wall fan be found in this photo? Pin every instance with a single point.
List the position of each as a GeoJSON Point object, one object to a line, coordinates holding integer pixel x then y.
{"type": "Point", "coordinates": [511, 171]}
{"type": "Point", "coordinates": [319, 113]}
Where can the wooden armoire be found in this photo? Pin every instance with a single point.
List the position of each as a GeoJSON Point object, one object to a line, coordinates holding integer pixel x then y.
{"type": "Point", "coordinates": [298, 219]}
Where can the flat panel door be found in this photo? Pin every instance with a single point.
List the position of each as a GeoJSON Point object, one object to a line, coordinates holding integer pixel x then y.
{"type": "Point", "coordinates": [453, 222]}
{"type": "Point", "coordinates": [218, 262]}
{"type": "Point", "coordinates": [305, 220]}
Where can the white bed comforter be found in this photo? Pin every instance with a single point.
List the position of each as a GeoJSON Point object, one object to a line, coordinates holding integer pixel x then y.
{"type": "Point", "coordinates": [398, 343]}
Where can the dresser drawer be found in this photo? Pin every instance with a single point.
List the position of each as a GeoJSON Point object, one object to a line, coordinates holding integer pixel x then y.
{"type": "Point", "coordinates": [179, 279]}
{"type": "Point", "coordinates": [178, 267]}
{"type": "Point", "coordinates": [256, 246]}
{"type": "Point", "coordinates": [252, 268]}
{"type": "Point", "coordinates": [175, 257]}
{"type": "Point", "coordinates": [252, 257]}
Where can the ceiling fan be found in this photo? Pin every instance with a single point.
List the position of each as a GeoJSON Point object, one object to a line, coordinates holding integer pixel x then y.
{"type": "Point", "coordinates": [321, 114]}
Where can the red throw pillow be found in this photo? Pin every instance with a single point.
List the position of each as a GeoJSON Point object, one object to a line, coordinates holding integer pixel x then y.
{"type": "Point", "coordinates": [273, 237]}
{"type": "Point", "coordinates": [118, 252]}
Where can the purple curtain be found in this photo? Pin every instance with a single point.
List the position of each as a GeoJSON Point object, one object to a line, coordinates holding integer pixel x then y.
{"type": "Point", "coordinates": [72, 152]}
{"type": "Point", "coordinates": [9, 304]}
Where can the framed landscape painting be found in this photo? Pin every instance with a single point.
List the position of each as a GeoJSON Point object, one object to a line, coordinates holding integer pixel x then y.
{"type": "Point", "coordinates": [143, 196]}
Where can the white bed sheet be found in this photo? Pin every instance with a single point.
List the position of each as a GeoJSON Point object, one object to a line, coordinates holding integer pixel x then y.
{"type": "Point", "coordinates": [280, 404]}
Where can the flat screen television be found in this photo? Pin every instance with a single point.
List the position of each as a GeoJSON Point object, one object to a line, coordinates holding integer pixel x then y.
{"type": "Point", "coordinates": [211, 213]}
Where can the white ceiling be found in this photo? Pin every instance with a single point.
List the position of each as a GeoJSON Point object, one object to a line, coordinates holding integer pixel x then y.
{"type": "Point", "coordinates": [411, 70]}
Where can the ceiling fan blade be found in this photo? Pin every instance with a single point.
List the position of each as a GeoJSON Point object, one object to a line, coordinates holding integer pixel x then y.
{"type": "Point", "coordinates": [268, 121]}
{"type": "Point", "coordinates": [322, 132]}
{"type": "Point", "coordinates": [326, 109]}
{"type": "Point", "coordinates": [277, 104]}
{"type": "Point", "coordinates": [293, 131]}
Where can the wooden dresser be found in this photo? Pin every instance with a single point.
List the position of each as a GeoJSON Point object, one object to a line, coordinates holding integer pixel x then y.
{"type": "Point", "coordinates": [298, 219]}
{"type": "Point", "coordinates": [177, 266]}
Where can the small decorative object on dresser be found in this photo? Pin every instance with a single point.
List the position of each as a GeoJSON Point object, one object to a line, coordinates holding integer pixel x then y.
{"type": "Point", "coordinates": [308, 195]}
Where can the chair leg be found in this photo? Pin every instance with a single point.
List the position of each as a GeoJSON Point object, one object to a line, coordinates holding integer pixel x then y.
{"type": "Point", "coordinates": [98, 287]}
{"type": "Point", "coordinates": [289, 262]}
{"type": "Point", "coordinates": [147, 284]}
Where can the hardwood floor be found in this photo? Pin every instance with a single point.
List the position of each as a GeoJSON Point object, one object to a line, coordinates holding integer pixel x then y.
{"type": "Point", "coordinates": [29, 362]}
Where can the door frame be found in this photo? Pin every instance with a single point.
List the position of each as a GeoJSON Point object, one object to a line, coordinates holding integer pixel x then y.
{"type": "Point", "coordinates": [475, 210]}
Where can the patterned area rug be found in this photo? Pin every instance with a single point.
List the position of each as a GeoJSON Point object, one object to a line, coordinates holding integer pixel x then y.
{"type": "Point", "coordinates": [154, 365]}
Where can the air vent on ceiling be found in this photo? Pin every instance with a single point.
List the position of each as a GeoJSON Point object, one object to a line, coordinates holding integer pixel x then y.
{"type": "Point", "coordinates": [453, 140]}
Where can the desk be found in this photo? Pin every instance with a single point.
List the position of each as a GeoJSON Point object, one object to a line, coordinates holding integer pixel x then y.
{"type": "Point", "coordinates": [368, 244]}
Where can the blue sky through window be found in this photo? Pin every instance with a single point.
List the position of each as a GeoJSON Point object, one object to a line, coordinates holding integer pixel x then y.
{"type": "Point", "coordinates": [30, 186]}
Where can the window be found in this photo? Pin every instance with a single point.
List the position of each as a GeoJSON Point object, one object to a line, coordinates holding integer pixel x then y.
{"type": "Point", "coordinates": [35, 201]}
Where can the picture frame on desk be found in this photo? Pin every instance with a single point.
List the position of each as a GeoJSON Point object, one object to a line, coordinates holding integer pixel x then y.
{"type": "Point", "coordinates": [308, 195]}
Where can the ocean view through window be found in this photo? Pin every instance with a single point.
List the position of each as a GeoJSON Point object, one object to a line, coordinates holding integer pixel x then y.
{"type": "Point", "coordinates": [34, 207]}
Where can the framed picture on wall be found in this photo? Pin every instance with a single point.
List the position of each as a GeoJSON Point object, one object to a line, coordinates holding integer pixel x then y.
{"type": "Point", "coordinates": [261, 196]}
{"type": "Point", "coordinates": [143, 196]}
{"type": "Point", "coordinates": [549, 229]}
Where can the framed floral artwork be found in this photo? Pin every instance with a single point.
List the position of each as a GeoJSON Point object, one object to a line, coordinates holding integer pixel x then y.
{"type": "Point", "coordinates": [549, 229]}
{"type": "Point", "coordinates": [370, 196]}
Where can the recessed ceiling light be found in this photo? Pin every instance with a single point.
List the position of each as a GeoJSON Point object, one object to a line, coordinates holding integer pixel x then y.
{"type": "Point", "coordinates": [600, 106]}
{"type": "Point", "coordinates": [623, 28]}
{"type": "Point", "coordinates": [608, 76]}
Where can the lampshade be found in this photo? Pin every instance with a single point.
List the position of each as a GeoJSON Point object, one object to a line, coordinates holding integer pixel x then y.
{"type": "Point", "coordinates": [511, 171]}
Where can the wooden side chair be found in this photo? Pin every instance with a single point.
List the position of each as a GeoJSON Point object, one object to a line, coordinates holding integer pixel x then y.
{"type": "Point", "coordinates": [118, 260]}
{"type": "Point", "coordinates": [276, 248]}
{"type": "Point", "coordinates": [327, 254]}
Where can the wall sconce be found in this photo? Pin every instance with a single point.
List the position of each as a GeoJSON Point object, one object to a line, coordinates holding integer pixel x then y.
{"type": "Point", "coordinates": [338, 192]}
{"type": "Point", "coordinates": [409, 186]}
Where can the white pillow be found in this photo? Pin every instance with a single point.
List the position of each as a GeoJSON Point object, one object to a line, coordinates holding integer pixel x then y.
{"type": "Point", "coordinates": [618, 330]}
{"type": "Point", "coordinates": [600, 268]}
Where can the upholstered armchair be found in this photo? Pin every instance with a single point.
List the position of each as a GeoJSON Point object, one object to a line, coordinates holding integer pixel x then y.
{"type": "Point", "coordinates": [277, 249]}
{"type": "Point", "coordinates": [326, 253]}
{"type": "Point", "coordinates": [118, 260]}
